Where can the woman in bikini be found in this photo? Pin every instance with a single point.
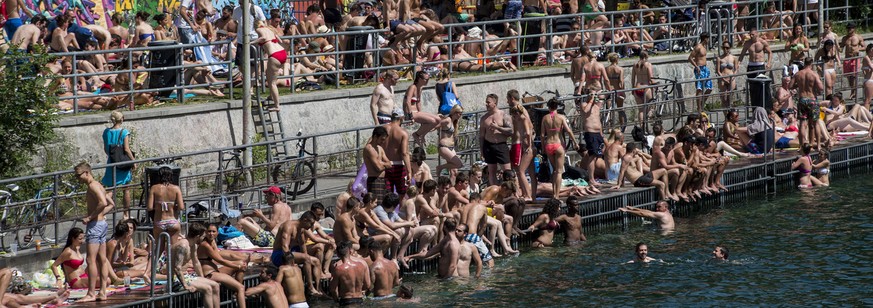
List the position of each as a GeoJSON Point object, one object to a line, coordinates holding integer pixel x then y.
{"type": "Point", "coordinates": [821, 169]}
{"type": "Point", "coordinates": [119, 249]}
{"type": "Point", "coordinates": [165, 201]}
{"type": "Point", "coordinates": [269, 41]}
{"type": "Point", "coordinates": [469, 64]}
{"type": "Point", "coordinates": [546, 224]}
{"type": "Point", "coordinates": [867, 68]}
{"type": "Point", "coordinates": [413, 111]}
{"type": "Point", "coordinates": [522, 151]}
{"type": "Point", "coordinates": [70, 260]}
{"type": "Point", "coordinates": [727, 66]}
{"type": "Point", "coordinates": [804, 167]}
{"type": "Point", "coordinates": [797, 45]}
{"type": "Point", "coordinates": [143, 33]}
{"type": "Point", "coordinates": [446, 145]}
{"type": "Point", "coordinates": [829, 57]}
{"type": "Point", "coordinates": [552, 128]}
{"type": "Point", "coordinates": [164, 30]}
{"type": "Point", "coordinates": [735, 136]}
{"type": "Point", "coordinates": [230, 275]}
{"type": "Point", "coordinates": [615, 74]}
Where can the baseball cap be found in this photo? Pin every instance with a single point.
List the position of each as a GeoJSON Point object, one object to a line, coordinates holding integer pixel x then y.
{"type": "Point", "coordinates": [273, 190]}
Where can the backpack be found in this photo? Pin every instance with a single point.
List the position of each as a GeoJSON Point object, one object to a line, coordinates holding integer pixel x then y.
{"type": "Point", "coordinates": [117, 154]}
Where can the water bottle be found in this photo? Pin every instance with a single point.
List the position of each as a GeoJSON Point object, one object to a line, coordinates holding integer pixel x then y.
{"type": "Point", "coordinates": [537, 164]}
{"type": "Point", "coordinates": [13, 249]}
{"type": "Point", "coordinates": [126, 282]}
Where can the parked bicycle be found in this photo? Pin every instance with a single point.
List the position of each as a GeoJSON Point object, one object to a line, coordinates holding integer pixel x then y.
{"type": "Point", "coordinates": [301, 177]}
{"type": "Point", "coordinates": [6, 226]}
{"type": "Point", "coordinates": [668, 103]}
{"type": "Point", "coordinates": [40, 215]}
{"type": "Point", "coordinates": [233, 177]}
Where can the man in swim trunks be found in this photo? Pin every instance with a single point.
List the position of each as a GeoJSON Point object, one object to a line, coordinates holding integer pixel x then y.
{"type": "Point", "coordinates": [397, 177]}
{"type": "Point", "coordinates": [697, 58]}
{"type": "Point", "coordinates": [784, 99]}
{"type": "Point", "coordinates": [271, 287]}
{"type": "Point", "coordinates": [13, 16]}
{"type": "Point", "coordinates": [755, 49]}
{"type": "Point", "coordinates": [264, 237]}
{"type": "Point", "coordinates": [290, 239]}
{"type": "Point", "coordinates": [632, 169]}
{"type": "Point", "coordinates": [382, 102]}
{"type": "Point", "coordinates": [467, 254]}
{"type": "Point", "coordinates": [474, 215]}
{"type": "Point", "coordinates": [495, 127]}
{"type": "Point", "coordinates": [661, 214]}
{"type": "Point", "coordinates": [350, 278]}
{"type": "Point", "coordinates": [808, 85]}
{"type": "Point", "coordinates": [448, 248]}
{"type": "Point", "coordinates": [854, 43]}
{"type": "Point", "coordinates": [592, 129]}
{"type": "Point", "coordinates": [292, 283]}
{"type": "Point", "coordinates": [385, 273]}
{"type": "Point", "coordinates": [612, 155]}
{"type": "Point", "coordinates": [28, 35]}
{"type": "Point", "coordinates": [95, 233]}
{"type": "Point", "coordinates": [377, 162]}
{"type": "Point", "coordinates": [641, 77]}
{"type": "Point", "coordinates": [676, 173]}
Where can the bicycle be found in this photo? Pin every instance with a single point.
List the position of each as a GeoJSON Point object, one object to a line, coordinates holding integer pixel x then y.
{"type": "Point", "coordinates": [38, 219]}
{"type": "Point", "coordinates": [302, 175]}
{"type": "Point", "coordinates": [234, 175]}
{"type": "Point", "coordinates": [663, 95]}
{"type": "Point", "coordinates": [5, 225]}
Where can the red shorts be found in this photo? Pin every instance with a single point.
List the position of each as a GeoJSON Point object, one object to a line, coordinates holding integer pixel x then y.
{"type": "Point", "coordinates": [395, 179]}
{"type": "Point", "coordinates": [515, 154]}
{"type": "Point", "coordinates": [640, 92]}
{"type": "Point", "coordinates": [850, 66]}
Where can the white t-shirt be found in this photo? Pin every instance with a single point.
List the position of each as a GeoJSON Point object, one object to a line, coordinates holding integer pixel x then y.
{"type": "Point", "coordinates": [180, 22]}
{"type": "Point", "coordinates": [237, 16]}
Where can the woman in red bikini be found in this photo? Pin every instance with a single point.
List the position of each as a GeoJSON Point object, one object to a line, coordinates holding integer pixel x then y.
{"type": "Point", "coordinates": [546, 223]}
{"type": "Point", "coordinates": [269, 41]}
{"type": "Point", "coordinates": [71, 261]}
{"type": "Point", "coordinates": [552, 127]}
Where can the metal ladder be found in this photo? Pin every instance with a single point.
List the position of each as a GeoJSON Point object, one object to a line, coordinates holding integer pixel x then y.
{"type": "Point", "coordinates": [269, 125]}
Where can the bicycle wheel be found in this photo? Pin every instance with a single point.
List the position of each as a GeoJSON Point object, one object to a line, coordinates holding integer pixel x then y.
{"type": "Point", "coordinates": [24, 235]}
{"type": "Point", "coordinates": [47, 232]}
{"type": "Point", "coordinates": [303, 179]}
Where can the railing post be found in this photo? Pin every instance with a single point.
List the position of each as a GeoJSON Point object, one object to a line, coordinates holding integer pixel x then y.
{"type": "Point", "coordinates": [130, 81]}
{"type": "Point", "coordinates": [452, 48]}
{"type": "Point", "coordinates": [56, 208]}
{"type": "Point", "coordinates": [180, 75]}
{"type": "Point", "coordinates": [550, 47]}
{"type": "Point", "coordinates": [484, 49]}
{"type": "Point", "coordinates": [75, 86]}
{"type": "Point", "coordinates": [219, 182]}
{"type": "Point", "coordinates": [518, 44]}
{"type": "Point", "coordinates": [292, 57]}
{"type": "Point", "coordinates": [670, 31]}
{"type": "Point", "coordinates": [315, 163]}
{"type": "Point", "coordinates": [337, 62]}
{"type": "Point", "coordinates": [230, 67]}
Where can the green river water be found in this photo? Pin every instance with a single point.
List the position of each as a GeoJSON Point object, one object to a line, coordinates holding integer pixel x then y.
{"type": "Point", "coordinates": [802, 248]}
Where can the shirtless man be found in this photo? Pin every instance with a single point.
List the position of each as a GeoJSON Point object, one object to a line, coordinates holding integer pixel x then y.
{"type": "Point", "coordinates": [225, 23]}
{"type": "Point", "coordinates": [641, 76]}
{"type": "Point", "coordinates": [384, 273]}
{"type": "Point", "coordinates": [676, 173]}
{"type": "Point", "coordinates": [495, 127]}
{"type": "Point", "coordinates": [344, 226]}
{"type": "Point", "coordinates": [387, 215]}
{"type": "Point", "coordinates": [632, 169]}
{"type": "Point", "coordinates": [475, 216]}
{"type": "Point", "coordinates": [290, 239]}
{"type": "Point", "coordinates": [468, 253]}
{"type": "Point", "coordinates": [13, 16]}
{"type": "Point", "coordinates": [95, 233]}
{"type": "Point", "coordinates": [661, 215]}
{"type": "Point", "coordinates": [322, 244]}
{"type": "Point", "coordinates": [292, 283]}
{"type": "Point", "coordinates": [592, 130]}
{"type": "Point", "coordinates": [755, 48]}
{"type": "Point", "coordinates": [281, 213]}
{"type": "Point", "coordinates": [30, 34]}
{"type": "Point", "coordinates": [350, 278]}
{"type": "Point", "coordinates": [382, 102]}
{"type": "Point", "coordinates": [270, 286]}
{"type": "Point", "coordinates": [577, 71]}
{"type": "Point", "coordinates": [641, 254]}
{"type": "Point", "coordinates": [61, 40]}
{"type": "Point", "coordinates": [399, 176]}
{"type": "Point", "coordinates": [377, 162]}
{"type": "Point", "coordinates": [456, 196]}
{"type": "Point", "coordinates": [854, 43]}
{"type": "Point", "coordinates": [784, 99]}
{"type": "Point", "coordinates": [427, 207]}
{"type": "Point", "coordinates": [808, 85]}
{"type": "Point", "coordinates": [697, 58]}
{"type": "Point", "coordinates": [448, 248]}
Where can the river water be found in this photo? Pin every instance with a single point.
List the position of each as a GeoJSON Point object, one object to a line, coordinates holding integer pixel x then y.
{"type": "Point", "coordinates": [809, 248]}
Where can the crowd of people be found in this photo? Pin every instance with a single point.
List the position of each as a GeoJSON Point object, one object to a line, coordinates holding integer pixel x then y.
{"type": "Point", "coordinates": [415, 31]}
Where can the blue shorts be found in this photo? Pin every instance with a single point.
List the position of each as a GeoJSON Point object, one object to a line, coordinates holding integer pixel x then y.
{"type": "Point", "coordinates": [11, 26]}
{"type": "Point", "coordinates": [593, 143]}
{"type": "Point", "coordinates": [702, 76]}
{"type": "Point", "coordinates": [95, 232]}
{"type": "Point", "coordinates": [477, 241]}
{"type": "Point", "coordinates": [513, 9]}
{"type": "Point", "coordinates": [278, 256]}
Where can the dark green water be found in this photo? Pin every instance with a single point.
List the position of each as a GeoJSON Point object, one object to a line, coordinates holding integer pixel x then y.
{"type": "Point", "coordinates": [810, 248]}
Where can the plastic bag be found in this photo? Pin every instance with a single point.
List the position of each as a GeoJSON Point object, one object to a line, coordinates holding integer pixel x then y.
{"type": "Point", "coordinates": [239, 242]}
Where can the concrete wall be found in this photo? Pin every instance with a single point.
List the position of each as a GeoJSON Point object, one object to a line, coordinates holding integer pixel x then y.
{"type": "Point", "coordinates": [203, 126]}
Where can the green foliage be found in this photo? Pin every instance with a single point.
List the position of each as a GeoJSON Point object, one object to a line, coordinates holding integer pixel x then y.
{"type": "Point", "coordinates": [26, 118]}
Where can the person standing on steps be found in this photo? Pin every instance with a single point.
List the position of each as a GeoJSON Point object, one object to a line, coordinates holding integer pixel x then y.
{"type": "Point", "coordinates": [697, 58]}
{"type": "Point", "coordinates": [412, 108]}
{"type": "Point", "coordinates": [99, 204]}
{"type": "Point", "coordinates": [495, 128]}
{"type": "Point", "coordinates": [118, 138]}
{"type": "Point", "coordinates": [377, 162]}
{"type": "Point", "coordinates": [382, 101]}
{"type": "Point", "coordinates": [755, 48]}
{"type": "Point", "coordinates": [398, 177]}
{"type": "Point", "coordinates": [522, 151]}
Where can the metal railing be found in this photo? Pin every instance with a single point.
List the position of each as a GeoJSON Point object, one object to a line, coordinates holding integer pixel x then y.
{"type": "Point", "coordinates": [717, 18]}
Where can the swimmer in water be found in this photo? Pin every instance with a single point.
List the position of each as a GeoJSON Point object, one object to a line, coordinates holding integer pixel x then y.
{"type": "Point", "coordinates": [641, 254]}
{"type": "Point", "coordinates": [720, 253]}
{"type": "Point", "coordinates": [661, 215]}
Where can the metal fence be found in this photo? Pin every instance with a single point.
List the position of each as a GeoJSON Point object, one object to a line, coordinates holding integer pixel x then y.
{"type": "Point", "coordinates": [534, 45]}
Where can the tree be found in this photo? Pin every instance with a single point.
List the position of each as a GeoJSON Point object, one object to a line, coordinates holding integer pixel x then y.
{"type": "Point", "coordinates": [27, 97]}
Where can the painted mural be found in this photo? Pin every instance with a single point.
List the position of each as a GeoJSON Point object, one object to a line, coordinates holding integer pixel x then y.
{"type": "Point", "coordinates": [100, 11]}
